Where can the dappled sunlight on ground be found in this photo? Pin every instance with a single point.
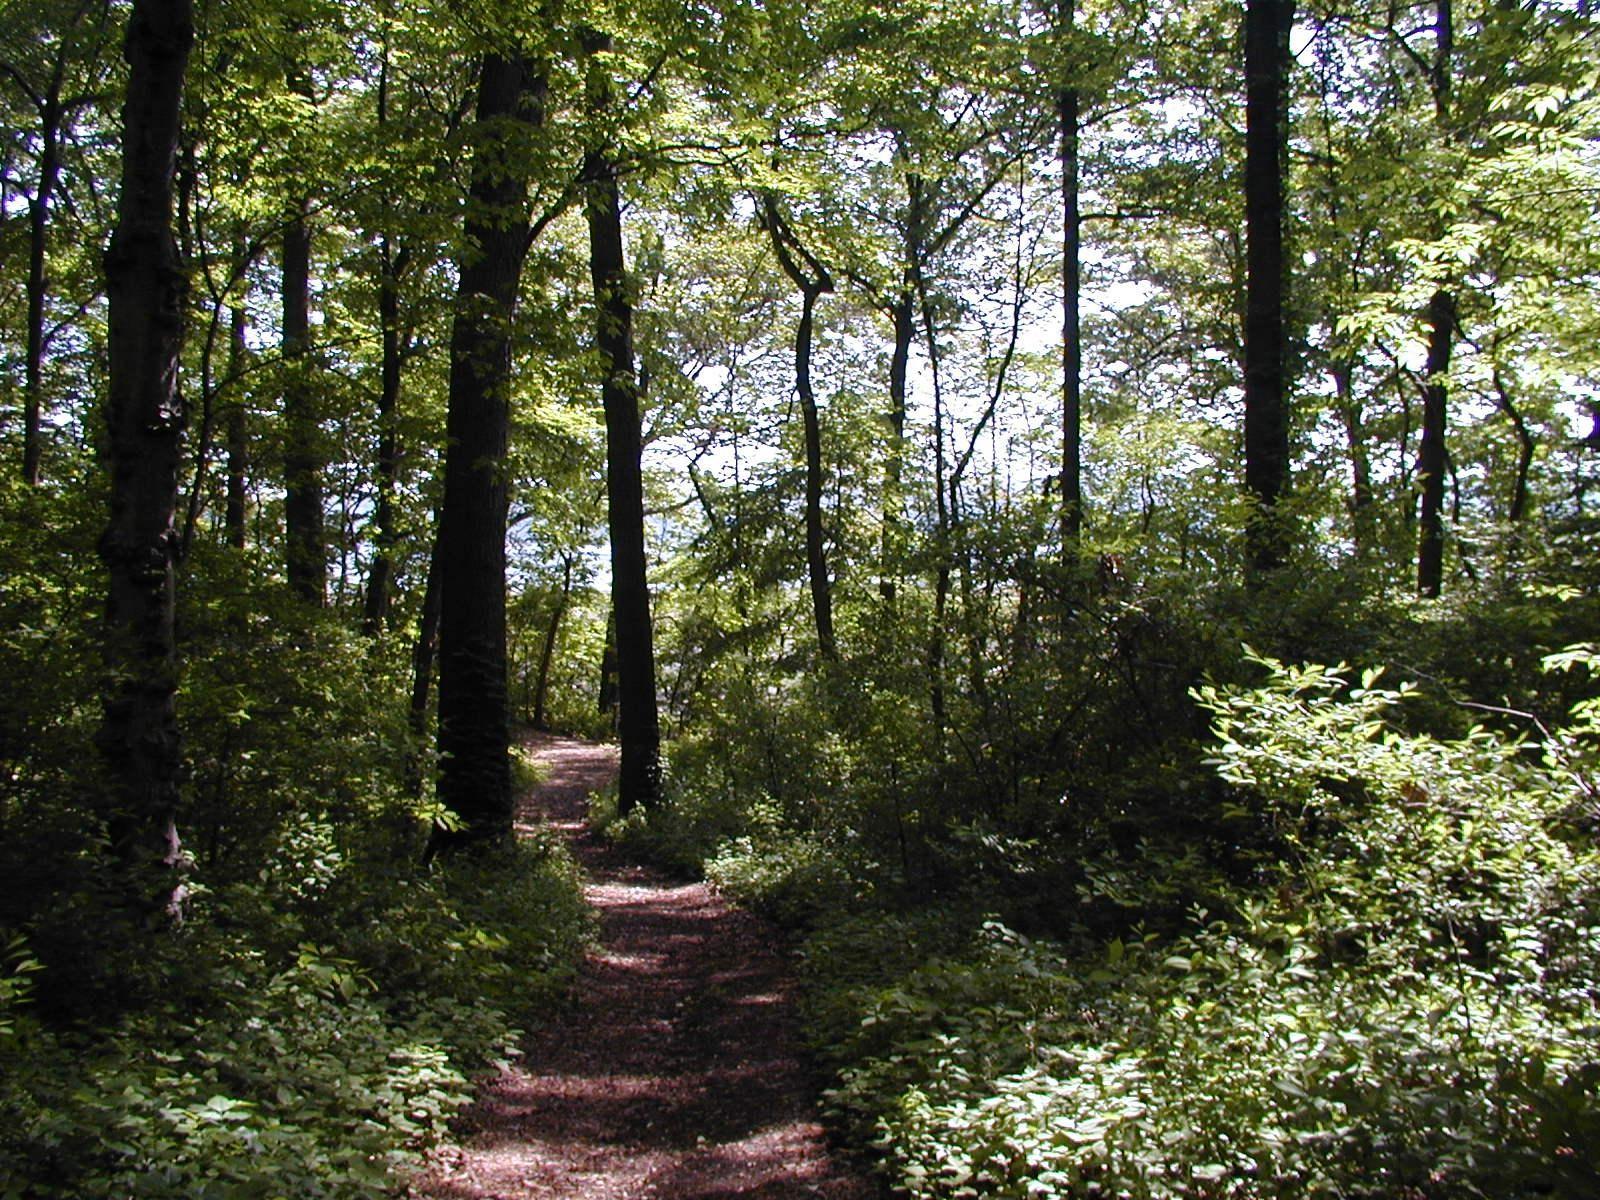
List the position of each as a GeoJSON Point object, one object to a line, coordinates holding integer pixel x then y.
{"type": "Point", "coordinates": [675, 1074]}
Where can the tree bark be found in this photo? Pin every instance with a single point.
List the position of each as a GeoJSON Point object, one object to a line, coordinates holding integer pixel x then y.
{"type": "Point", "coordinates": [304, 535]}
{"type": "Point", "coordinates": [1431, 452]}
{"type": "Point", "coordinates": [422, 658]}
{"type": "Point", "coordinates": [238, 435]}
{"type": "Point", "coordinates": [1362, 509]}
{"type": "Point", "coordinates": [547, 652]}
{"type": "Point", "coordinates": [381, 575]}
{"type": "Point", "coordinates": [607, 696]}
{"type": "Point", "coordinates": [145, 286]}
{"type": "Point", "coordinates": [790, 251]}
{"type": "Point", "coordinates": [474, 723]}
{"type": "Point", "coordinates": [1266, 424]}
{"type": "Point", "coordinates": [902, 314]}
{"type": "Point", "coordinates": [1071, 306]}
{"type": "Point", "coordinates": [38, 235]}
{"type": "Point", "coordinates": [638, 723]}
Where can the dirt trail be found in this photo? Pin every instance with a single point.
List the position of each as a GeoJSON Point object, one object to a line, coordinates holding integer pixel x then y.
{"type": "Point", "coordinates": [675, 1074]}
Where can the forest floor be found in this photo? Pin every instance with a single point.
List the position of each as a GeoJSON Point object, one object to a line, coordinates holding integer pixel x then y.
{"type": "Point", "coordinates": [676, 1072]}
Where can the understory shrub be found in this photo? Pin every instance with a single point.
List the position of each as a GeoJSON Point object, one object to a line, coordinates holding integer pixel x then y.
{"type": "Point", "coordinates": [319, 1030]}
{"type": "Point", "coordinates": [1397, 999]}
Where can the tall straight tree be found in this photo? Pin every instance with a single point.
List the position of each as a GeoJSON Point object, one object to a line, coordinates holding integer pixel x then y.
{"type": "Point", "coordinates": [808, 274]}
{"type": "Point", "coordinates": [1267, 25]}
{"type": "Point", "coordinates": [1432, 454]}
{"type": "Point", "coordinates": [304, 534]}
{"type": "Point", "coordinates": [145, 286]}
{"type": "Point", "coordinates": [638, 723]}
{"type": "Point", "coordinates": [57, 109]}
{"type": "Point", "coordinates": [1068, 131]}
{"type": "Point", "coordinates": [474, 733]}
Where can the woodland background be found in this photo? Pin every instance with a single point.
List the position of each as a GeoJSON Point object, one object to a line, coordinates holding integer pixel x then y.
{"type": "Point", "coordinates": [957, 430]}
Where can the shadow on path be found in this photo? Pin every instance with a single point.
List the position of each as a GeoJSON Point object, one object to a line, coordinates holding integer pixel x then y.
{"type": "Point", "coordinates": [676, 1072]}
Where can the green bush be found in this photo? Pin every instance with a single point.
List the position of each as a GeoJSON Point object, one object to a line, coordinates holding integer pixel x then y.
{"type": "Point", "coordinates": [319, 1028]}
{"type": "Point", "coordinates": [1399, 1000]}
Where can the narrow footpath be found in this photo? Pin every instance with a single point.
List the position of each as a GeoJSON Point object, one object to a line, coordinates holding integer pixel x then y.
{"type": "Point", "coordinates": [675, 1074]}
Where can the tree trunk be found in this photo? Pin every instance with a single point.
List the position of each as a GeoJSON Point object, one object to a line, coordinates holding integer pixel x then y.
{"type": "Point", "coordinates": [474, 725]}
{"type": "Point", "coordinates": [1431, 452]}
{"type": "Point", "coordinates": [607, 703]}
{"type": "Point", "coordinates": [145, 287]}
{"type": "Point", "coordinates": [38, 234]}
{"type": "Point", "coordinates": [305, 538]}
{"type": "Point", "coordinates": [903, 315]}
{"type": "Point", "coordinates": [237, 420]}
{"type": "Point", "coordinates": [547, 653]}
{"type": "Point", "coordinates": [789, 250]}
{"type": "Point", "coordinates": [1266, 423]}
{"type": "Point", "coordinates": [422, 656]}
{"type": "Point", "coordinates": [381, 575]}
{"type": "Point", "coordinates": [1362, 532]}
{"type": "Point", "coordinates": [638, 723]}
{"type": "Point", "coordinates": [1071, 305]}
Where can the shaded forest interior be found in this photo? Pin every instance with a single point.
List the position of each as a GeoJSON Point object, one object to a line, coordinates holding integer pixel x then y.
{"type": "Point", "coordinates": [1080, 511]}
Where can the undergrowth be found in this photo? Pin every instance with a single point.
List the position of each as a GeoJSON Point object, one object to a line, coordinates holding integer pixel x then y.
{"type": "Point", "coordinates": [1385, 988]}
{"type": "Point", "coordinates": [318, 1028]}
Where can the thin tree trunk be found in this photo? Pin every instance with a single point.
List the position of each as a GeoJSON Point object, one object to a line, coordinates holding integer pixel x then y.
{"type": "Point", "coordinates": [638, 722]}
{"type": "Point", "coordinates": [812, 285]}
{"type": "Point", "coordinates": [305, 537]}
{"type": "Point", "coordinates": [422, 656]}
{"type": "Point", "coordinates": [903, 315]}
{"type": "Point", "coordinates": [942, 531]}
{"type": "Point", "coordinates": [38, 235]}
{"type": "Point", "coordinates": [474, 724]}
{"type": "Point", "coordinates": [1071, 305]}
{"type": "Point", "coordinates": [1518, 508]}
{"type": "Point", "coordinates": [237, 421]}
{"type": "Point", "coordinates": [547, 653]}
{"type": "Point", "coordinates": [1431, 452]}
{"type": "Point", "coordinates": [1266, 424]}
{"type": "Point", "coordinates": [381, 574]}
{"type": "Point", "coordinates": [1362, 508]}
{"type": "Point", "coordinates": [145, 286]}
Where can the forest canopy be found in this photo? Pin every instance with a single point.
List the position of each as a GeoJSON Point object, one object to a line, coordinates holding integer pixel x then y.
{"type": "Point", "coordinates": [1083, 510]}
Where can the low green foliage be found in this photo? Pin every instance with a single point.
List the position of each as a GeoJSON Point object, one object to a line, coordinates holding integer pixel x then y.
{"type": "Point", "coordinates": [1398, 1000]}
{"type": "Point", "coordinates": [321, 1028]}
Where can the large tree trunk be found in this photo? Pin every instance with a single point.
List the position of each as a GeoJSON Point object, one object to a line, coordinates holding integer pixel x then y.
{"type": "Point", "coordinates": [606, 701]}
{"type": "Point", "coordinates": [1266, 418]}
{"type": "Point", "coordinates": [1431, 452]}
{"type": "Point", "coordinates": [1071, 305]}
{"type": "Point", "coordinates": [474, 729]}
{"type": "Point", "coordinates": [638, 723]}
{"type": "Point", "coordinates": [145, 287]}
